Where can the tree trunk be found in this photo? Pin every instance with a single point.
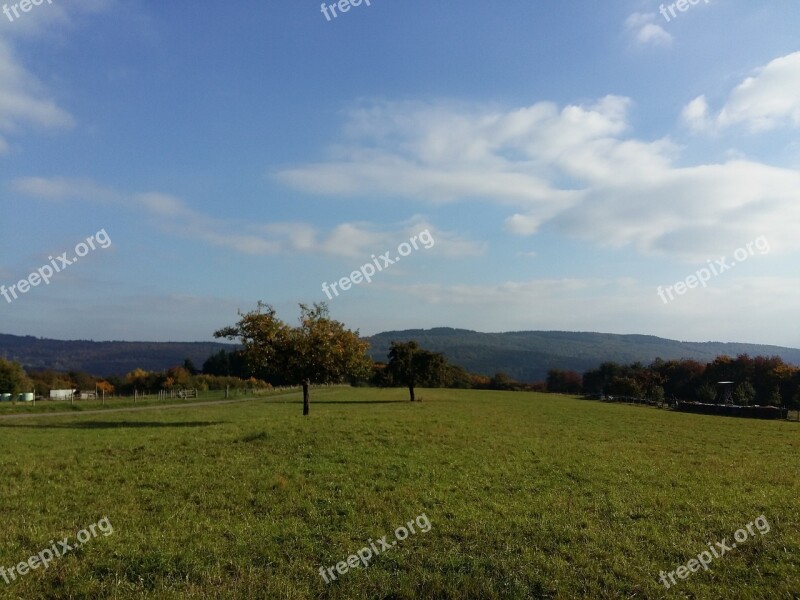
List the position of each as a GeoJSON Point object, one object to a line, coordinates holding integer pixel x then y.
{"type": "Point", "coordinates": [411, 393]}
{"type": "Point", "coordinates": [305, 397]}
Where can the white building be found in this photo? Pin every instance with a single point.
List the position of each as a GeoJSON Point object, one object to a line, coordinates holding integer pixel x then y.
{"type": "Point", "coordinates": [62, 394]}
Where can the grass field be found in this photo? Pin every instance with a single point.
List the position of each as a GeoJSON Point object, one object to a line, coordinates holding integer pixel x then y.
{"type": "Point", "coordinates": [112, 402]}
{"type": "Point", "coordinates": [527, 496]}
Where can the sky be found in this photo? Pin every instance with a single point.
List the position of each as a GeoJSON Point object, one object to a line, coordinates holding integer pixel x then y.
{"type": "Point", "coordinates": [621, 166]}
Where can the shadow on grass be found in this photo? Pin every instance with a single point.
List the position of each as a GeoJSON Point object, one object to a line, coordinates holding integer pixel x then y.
{"type": "Point", "coordinates": [312, 401]}
{"type": "Point", "coordinates": [112, 425]}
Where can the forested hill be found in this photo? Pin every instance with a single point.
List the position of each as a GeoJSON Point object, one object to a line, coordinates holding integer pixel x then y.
{"type": "Point", "coordinates": [527, 355]}
{"type": "Point", "coordinates": [524, 355]}
{"type": "Point", "coordinates": [104, 358]}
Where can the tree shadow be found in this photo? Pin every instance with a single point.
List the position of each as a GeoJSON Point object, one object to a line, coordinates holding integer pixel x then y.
{"type": "Point", "coordinates": [313, 401]}
{"type": "Point", "coordinates": [111, 425]}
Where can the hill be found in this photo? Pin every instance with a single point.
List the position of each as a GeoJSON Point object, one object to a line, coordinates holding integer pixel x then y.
{"type": "Point", "coordinates": [524, 355]}
{"type": "Point", "coordinates": [528, 355]}
{"type": "Point", "coordinates": [104, 358]}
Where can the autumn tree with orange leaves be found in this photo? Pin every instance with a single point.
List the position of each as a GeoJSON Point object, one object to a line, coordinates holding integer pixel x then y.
{"type": "Point", "coordinates": [319, 350]}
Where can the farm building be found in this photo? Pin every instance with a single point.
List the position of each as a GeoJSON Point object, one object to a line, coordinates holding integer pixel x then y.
{"type": "Point", "coordinates": [62, 394]}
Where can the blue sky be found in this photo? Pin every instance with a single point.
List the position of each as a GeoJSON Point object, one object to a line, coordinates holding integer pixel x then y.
{"type": "Point", "coordinates": [567, 158]}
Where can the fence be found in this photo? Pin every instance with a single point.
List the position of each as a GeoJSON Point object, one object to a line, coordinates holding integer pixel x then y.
{"type": "Point", "coordinates": [728, 410]}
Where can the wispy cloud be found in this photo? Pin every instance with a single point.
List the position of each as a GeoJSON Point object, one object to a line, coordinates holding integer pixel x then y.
{"type": "Point", "coordinates": [646, 31]}
{"type": "Point", "coordinates": [24, 102]}
{"type": "Point", "coordinates": [175, 215]}
{"type": "Point", "coordinates": [577, 168]}
{"type": "Point", "coordinates": [59, 189]}
{"type": "Point", "coordinates": [766, 100]}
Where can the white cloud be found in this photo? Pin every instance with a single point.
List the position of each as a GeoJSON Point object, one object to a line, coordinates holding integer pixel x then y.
{"type": "Point", "coordinates": [646, 31]}
{"type": "Point", "coordinates": [351, 240]}
{"type": "Point", "coordinates": [575, 168]}
{"type": "Point", "coordinates": [767, 100]}
{"type": "Point", "coordinates": [695, 115]}
{"type": "Point", "coordinates": [173, 214]}
{"type": "Point", "coordinates": [60, 189]}
{"type": "Point", "coordinates": [23, 100]}
{"type": "Point", "coordinates": [447, 243]}
{"type": "Point", "coordinates": [53, 18]}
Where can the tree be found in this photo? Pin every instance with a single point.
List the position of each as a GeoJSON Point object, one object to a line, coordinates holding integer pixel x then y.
{"type": "Point", "coordinates": [795, 401]}
{"type": "Point", "coordinates": [13, 379]}
{"type": "Point", "coordinates": [457, 377]}
{"type": "Point", "coordinates": [626, 387]}
{"type": "Point", "coordinates": [105, 387]}
{"type": "Point", "coordinates": [218, 364]}
{"type": "Point", "coordinates": [680, 378]}
{"type": "Point", "coordinates": [707, 393]}
{"type": "Point", "coordinates": [411, 366]}
{"type": "Point", "coordinates": [83, 381]}
{"type": "Point", "coordinates": [319, 350]}
{"type": "Point", "coordinates": [599, 380]}
{"type": "Point", "coordinates": [380, 376]}
{"type": "Point", "coordinates": [564, 382]}
{"type": "Point", "coordinates": [503, 382]}
{"type": "Point", "coordinates": [178, 376]}
{"type": "Point", "coordinates": [480, 382]}
{"type": "Point", "coordinates": [744, 393]}
{"type": "Point", "coordinates": [776, 398]}
{"type": "Point", "coordinates": [138, 378]}
{"type": "Point", "coordinates": [656, 394]}
{"type": "Point", "coordinates": [227, 364]}
{"type": "Point", "coordinates": [189, 366]}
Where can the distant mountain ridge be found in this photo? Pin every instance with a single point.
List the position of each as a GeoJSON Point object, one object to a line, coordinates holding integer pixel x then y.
{"type": "Point", "coordinates": [524, 355]}
{"type": "Point", "coordinates": [104, 358]}
{"type": "Point", "coordinates": [528, 355]}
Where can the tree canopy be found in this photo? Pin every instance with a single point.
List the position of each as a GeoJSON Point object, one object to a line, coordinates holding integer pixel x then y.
{"type": "Point", "coordinates": [13, 379]}
{"type": "Point", "coordinates": [411, 366]}
{"type": "Point", "coordinates": [318, 350]}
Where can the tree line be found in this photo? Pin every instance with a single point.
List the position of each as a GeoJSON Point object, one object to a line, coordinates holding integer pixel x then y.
{"type": "Point", "coordinates": [15, 380]}
{"type": "Point", "coordinates": [321, 350]}
{"type": "Point", "coordinates": [766, 381]}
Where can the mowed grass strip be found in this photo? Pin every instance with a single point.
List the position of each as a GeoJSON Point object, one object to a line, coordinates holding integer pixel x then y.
{"type": "Point", "coordinates": [528, 496]}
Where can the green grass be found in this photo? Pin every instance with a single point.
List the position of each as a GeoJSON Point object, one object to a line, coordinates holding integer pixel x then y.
{"type": "Point", "coordinates": [112, 402]}
{"type": "Point", "coordinates": [528, 496]}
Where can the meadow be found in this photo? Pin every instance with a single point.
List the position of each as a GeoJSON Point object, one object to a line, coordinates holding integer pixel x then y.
{"type": "Point", "coordinates": [111, 402]}
{"type": "Point", "coordinates": [528, 496]}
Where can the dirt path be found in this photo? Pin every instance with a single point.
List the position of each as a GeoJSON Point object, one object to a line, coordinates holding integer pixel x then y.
{"type": "Point", "coordinates": [106, 411]}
